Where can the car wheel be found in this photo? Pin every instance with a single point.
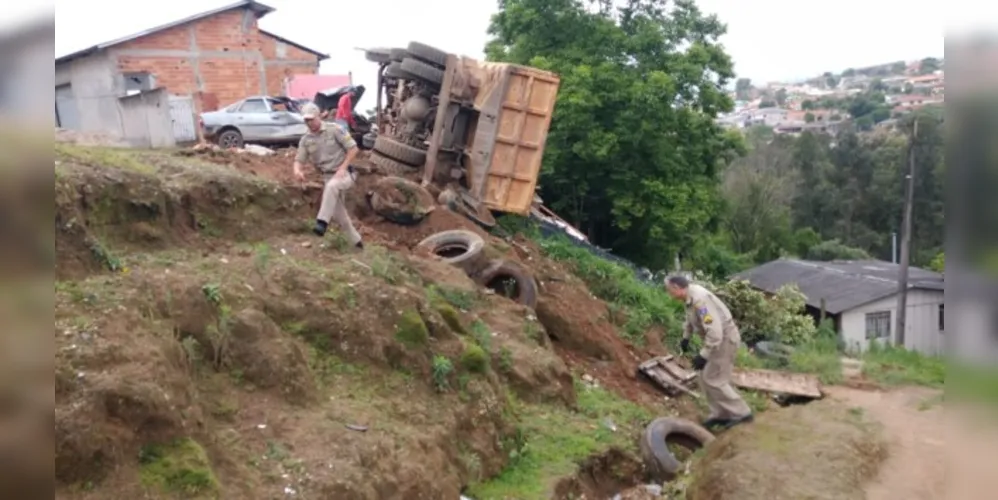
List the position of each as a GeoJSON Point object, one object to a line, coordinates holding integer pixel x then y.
{"type": "Point", "coordinates": [230, 139]}
{"type": "Point", "coordinates": [423, 71]}
{"type": "Point", "coordinates": [428, 54]}
{"type": "Point", "coordinates": [399, 151]}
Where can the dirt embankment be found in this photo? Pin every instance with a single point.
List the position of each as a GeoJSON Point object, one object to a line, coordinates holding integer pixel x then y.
{"type": "Point", "coordinates": [200, 328]}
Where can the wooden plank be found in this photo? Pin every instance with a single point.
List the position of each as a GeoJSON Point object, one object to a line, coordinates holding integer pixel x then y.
{"type": "Point", "coordinates": [797, 384]}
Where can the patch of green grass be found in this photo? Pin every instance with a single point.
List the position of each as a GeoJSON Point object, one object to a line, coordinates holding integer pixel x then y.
{"type": "Point", "coordinates": [451, 317]}
{"type": "Point", "coordinates": [386, 266]}
{"type": "Point", "coordinates": [102, 156]}
{"type": "Point", "coordinates": [973, 383]}
{"type": "Point", "coordinates": [645, 305]}
{"type": "Point", "coordinates": [180, 467]}
{"type": "Point", "coordinates": [505, 360]}
{"type": "Point", "coordinates": [461, 299]}
{"type": "Point", "coordinates": [482, 334]}
{"type": "Point", "coordinates": [551, 441]}
{"type": "Point", "coordinates": [441, 369]}
{"type": "Point", "coordinates": [894, 366]}
{"type": "Point", "coordinates": [821, 357]}
{"type": "Point", "coordinates": [410, 329]}
{"type": "Point", "coordinates": [474, 358]}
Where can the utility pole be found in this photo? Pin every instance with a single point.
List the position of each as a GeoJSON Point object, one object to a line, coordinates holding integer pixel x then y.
{"type": "Point", "coordinates": [902, 310]}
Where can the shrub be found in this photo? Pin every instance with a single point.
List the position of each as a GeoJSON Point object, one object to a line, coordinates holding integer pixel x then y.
{"type": "Point", "coordinates": [474, 359]}
{"type": "Point", "coordinates": [781, 318]}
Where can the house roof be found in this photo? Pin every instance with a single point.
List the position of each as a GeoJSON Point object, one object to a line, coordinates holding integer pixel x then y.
{"type": "Point", "coordinates": [843, 285]}
{"type": "Point", "coordinates": [256, 7]}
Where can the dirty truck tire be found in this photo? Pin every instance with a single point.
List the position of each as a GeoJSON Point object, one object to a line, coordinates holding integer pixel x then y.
{"type": "Point", "coordinates": [481, 215]}
{"type": "Point", "coordinates": [400, 151]}
{"type": "Point", "coordinates": [419, 203]}
{"type": "Point", "coordinates": [423, 71]}
{"type": "Point", "coordinates": [499, 271]}
{"type": "Point", "coordinates": [230, 139]}
{"type": "Point", "coordinates": [774, 350]}
{"type": "Point", "coordinates": [394, 70]}
{"type": "Point", "coordinates": [661, 463]}
{"type": "Point", "coordinates": [457, 247]}
{"type": "Point", "coordinates": [389, 166]}
{"type": "Point", "coordinates": [378, 55]}
{"type": "Point", "coordinates": [397, 54]}
{"type": "Point", "coordinates": [428, 54]}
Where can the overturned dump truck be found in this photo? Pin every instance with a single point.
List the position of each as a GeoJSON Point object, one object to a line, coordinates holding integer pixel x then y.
{"type": "Point", "coordinates": [475, 126]}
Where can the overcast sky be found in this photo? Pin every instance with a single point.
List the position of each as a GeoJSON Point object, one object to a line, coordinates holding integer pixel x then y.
{"type": "Point", "coordinates": [768, 39]}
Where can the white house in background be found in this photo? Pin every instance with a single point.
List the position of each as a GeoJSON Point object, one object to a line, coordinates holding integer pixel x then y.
{"type": "Point", "coordinates": [860, 296]}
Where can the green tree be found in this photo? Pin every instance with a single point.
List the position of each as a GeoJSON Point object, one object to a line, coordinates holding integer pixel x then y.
{"type": "Point", "coordinates": [767, 104]}
{"type": "Point", "coordinates": [743, 89]}
{"type": "Point", "coordinates": [928, 65]}
{"type": "Point", "coordinates": [808, 105]}
{"type": "Point", "coordinates": [849, 72]}
{"type": "Point", "coordinates": [633, 156]}
{"type": "Point", "coordinates": [808, 117]}
{"type": "Point", "coordinates": [781, 96]}
{"type": "Point", "coordinates": [899, 67]}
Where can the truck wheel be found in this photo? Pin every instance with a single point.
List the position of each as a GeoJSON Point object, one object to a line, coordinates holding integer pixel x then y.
{"type": "Point", "coordinates": [394, 70]}
{"type": "Point", "coordinates": [389, 166]}
{"type": "Point", "coordinates": [456, 247]}
{"type": "Point", "coordinates": [397, 54]}
{"type": "Point", "coordinates": [423, 71]}
{"type": "Point", "coordinates": [428, 54]}
{"type": "Point", "coordinates": [230, 139]}
{"type": "Point", "coordinates": [400, 200]}
{"type": "Point", "coordinates": [378, 55]}
{"type": "Point", "coordinates": [399, 151]}
{"type": "Point", "coordinates": [510, 280]}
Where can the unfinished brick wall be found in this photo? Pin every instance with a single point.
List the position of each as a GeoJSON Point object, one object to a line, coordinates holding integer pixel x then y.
{"type": "Point", "coordinates": [217, 56]}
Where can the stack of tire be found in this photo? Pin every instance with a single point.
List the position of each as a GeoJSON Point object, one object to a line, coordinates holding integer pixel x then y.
{"type": "Point", "coordinates": [416, 62]}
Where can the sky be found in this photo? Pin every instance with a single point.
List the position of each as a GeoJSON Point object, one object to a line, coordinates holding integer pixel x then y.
{"type": "Point", "coordinates": [769, 40]}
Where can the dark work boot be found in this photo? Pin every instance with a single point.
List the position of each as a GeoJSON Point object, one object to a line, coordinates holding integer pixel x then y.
{"type": "Point", "coordinates": [359, 246]}
{"type": "Point", "coordinates": [715, 422]}
{"type": "Point", "coordinates": [740, 420]}
{"type": "Point", "coordinates": [320, 227]}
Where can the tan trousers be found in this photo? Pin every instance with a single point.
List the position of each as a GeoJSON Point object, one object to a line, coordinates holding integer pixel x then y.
{"type": "Point", "coordinates": [333, 207]}
{"type": "Point", "coordinates": [715, 382]}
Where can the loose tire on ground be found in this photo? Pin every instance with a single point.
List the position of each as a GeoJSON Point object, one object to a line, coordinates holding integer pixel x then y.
{"type": "Point", "coordinates": [456, 247]}
{"type": "Point", "coordinates": [231, 138]}
{"type": "Point", "coordinates": [480, 215]}
{"type": "Point", "coordinates": [423, 71]}
{"type": "Point", "coordinates": [397, 54]}
{"type": "Point", "coordinates": [509, 279]}
{"type": "Point", "coordinates": [400, 200]}
{"type": "Point", "coordinates": [389, 166]}
{"type": "Point", "coordinates": [399, 151]}
{"type": "Point", "coordinates": [660, 462]}
{"type": "Point", "coordinates": [428, 54]}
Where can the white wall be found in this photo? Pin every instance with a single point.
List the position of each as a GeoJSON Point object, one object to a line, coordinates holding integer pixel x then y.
{"type": "Point", "coordinates": [96, 85]}
{"type": "Point", "coordinates": [921, 327]}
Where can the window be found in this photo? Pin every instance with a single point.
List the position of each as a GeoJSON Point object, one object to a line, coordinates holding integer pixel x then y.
{"type": "Point", "coordinates": [942, 321]}
{"type": "Point", "coordinates": [878, 325]}
{"type": "Point", "coordinates": [254, 106]}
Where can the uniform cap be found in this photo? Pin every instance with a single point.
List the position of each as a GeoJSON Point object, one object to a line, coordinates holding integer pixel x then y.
{"type": "Point", "coordinates": [310, 111]}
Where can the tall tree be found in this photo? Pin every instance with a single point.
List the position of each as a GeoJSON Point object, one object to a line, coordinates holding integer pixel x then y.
{"type": "Point", "coordinates": [633, 155]}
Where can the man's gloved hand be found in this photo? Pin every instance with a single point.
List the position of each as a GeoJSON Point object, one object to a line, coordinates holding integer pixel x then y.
{"type": "Point", "coordinates": [684, 346]}
{"type": "Point", "coordinates": [699, 362]}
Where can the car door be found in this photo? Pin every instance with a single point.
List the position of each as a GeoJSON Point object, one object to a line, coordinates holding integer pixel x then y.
{"type": "Point", "coordinates": [253, 119]}
{"type": "Point", "coordinates": [288, 123]}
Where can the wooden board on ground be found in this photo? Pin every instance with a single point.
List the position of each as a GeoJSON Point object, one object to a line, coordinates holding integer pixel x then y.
{"type": "Point", "coordinates": [795, 384]}
{"type": "Point", "coordinates": [669, 376]}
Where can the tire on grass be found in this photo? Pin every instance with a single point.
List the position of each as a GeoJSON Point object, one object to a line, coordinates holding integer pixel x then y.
{"type": "Point", "coordinates": [457, 247]}
{"type": "Point", "coordinates": [659, 460]}
{"type": "Point", "coordinates": [510, 280]}
{"type": "Point", "coordinates": [399, 151]}
{"type": "Point", "coordinates": [423, 71]}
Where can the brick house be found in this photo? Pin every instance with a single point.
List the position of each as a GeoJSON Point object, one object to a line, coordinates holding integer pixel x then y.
{"type": "Point", "coordinates": [203, 61]}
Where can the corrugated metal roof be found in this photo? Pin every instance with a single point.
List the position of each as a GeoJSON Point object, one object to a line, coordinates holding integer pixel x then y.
{"type": "Point", "coordinates": [257, 7]}
{"type": "Point", "coordinates": [842, 284]}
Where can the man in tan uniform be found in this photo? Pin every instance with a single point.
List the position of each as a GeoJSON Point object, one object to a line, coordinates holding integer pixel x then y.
{"type": "Point", "coordinates": [709, 317]}
{"type": "Point", "coordinates": [330, 149]}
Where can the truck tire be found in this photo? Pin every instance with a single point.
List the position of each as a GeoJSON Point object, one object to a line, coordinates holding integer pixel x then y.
{"type": "Point", "coordinates": [379, 55]}
{"type": "Point", "coordinates": [659, 461]}
{"type": "Point", "coordinates": [500, 274]}
{"type": "Point", "coordinates": [428, 54]}
{"type": "Point", "coordinates": [400, 200]}
{"type": "Point", "coordinates": [423, 71]}
{"type": "Point", "coordinates": [397, 54]}
{"type": "Point", "coordinates": [465, 205]}
{"type": "Point", "coordinates": [388, 166]}
{"type": "Point", "coordinates": [457, 247]}
{"type": "Point", "coordinates": [402, 152]}
{"type": "Point", "coordinates": [394, 70]}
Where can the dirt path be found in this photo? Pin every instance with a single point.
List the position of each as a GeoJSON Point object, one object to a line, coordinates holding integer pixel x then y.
{"type": "Point", "coordinates": [913, 421]}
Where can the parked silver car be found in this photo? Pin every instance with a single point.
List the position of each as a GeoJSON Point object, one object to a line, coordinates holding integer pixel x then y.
{"type": "Point", "coordinates": [257, 119]}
